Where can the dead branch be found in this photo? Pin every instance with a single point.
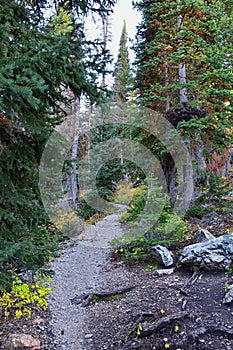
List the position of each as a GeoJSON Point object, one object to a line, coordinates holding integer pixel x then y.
{"type": "Point", "coordinates": [162, 323]}
{"type": "Point", "coordinates": [86, 299]}
{"type": "Point", "coordinates": [190, 281]}
{"type": "Point", "coordinates": [193, 336]}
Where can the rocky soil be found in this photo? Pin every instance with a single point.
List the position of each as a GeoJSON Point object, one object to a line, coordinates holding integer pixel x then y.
{"type": "Point", "coordinates": [179, 311]}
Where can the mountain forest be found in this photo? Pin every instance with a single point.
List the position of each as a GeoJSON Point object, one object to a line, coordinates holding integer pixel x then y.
{"type": "Point", "coordinates": [153, 134]}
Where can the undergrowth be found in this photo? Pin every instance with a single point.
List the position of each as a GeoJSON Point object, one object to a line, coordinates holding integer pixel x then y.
{"type": "Point", "coordinates": [23, 298]}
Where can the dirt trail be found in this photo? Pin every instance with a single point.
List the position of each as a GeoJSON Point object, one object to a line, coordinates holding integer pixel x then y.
{"type": "Point", "coordinates": [76, 272]}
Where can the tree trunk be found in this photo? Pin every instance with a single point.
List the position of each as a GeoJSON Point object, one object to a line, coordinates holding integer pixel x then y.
{"type": "Point", "coordinates": [74, 151]}
{"type": "Point", "coordinates": [182, 66]}
{"type": "Point", "coordinates": [167, 107]}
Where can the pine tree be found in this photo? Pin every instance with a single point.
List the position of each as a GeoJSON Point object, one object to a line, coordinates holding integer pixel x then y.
{"type": "Point", "coordinates": [122, 72]}
{"type": "Point", "coordinates": [184, 70]}
{"type": "Point", "coordinates": [39, 59]}
{"type": "Point", "coordinates": [184, 57]}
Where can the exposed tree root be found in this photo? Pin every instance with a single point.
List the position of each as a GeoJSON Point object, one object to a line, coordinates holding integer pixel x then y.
{"type": "Point", "coordinates": [192, 337]}
{"type": "Point", "coordinates": [162, 323]}
{"type": "Point", "coordinates": [86, 299]}
{"type": "Point", "coordinates": [189, 282]}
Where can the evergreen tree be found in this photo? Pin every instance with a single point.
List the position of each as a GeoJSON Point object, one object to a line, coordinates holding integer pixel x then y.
{"type": "Point", "coordinates": [122, 72]}
{"type": "Point", "coordinates": [39, 59]}
{"type": "Point", "coordinates": [184, 55]}
{"type": "Point", "coordinates": [184, 70]}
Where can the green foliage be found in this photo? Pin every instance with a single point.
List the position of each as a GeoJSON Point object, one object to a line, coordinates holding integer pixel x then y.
{"type": "Point", "coordinates": [85, 211]}
{"type": "Point", "coordinates": [136, 250]}
{"type": "Point", "coordinates": [109, 174]}
{"type": "Point", "coordinates": [198, 211]}
{"type": "Point", "coordinates": [226, 288]}
{"type": "Point", "coordinates": [122, 72]}
{"type": "Point", "coordinates": [216, 188]}
{"type": "Point", "coordinates": [196, 35]}
{"type": "Point", "coordinates": [40, 58]}
{"type": "Point", "coordinates": [150, 267]}
{"type": "Point", "coordinates": [137, 206]}
{"type": "Point", "coordinates": [125, 194]}
{"type": "Point", "coordinates": [23, 298]}
{"type": "Point", "coordinates": [169, 229]}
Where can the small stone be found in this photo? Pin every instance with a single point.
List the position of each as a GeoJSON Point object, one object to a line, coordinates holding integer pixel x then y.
{"type": "Point", "coordinates": [23, 341]}
{"type": "Point", "coordinates": [161, 272]}
{"type": "Point", "coordinates": [39, 321]}
{"type": "Point", "coordinates": [228, 298]}
{"type": "Point", "coordinates": [203, 235]}
{"type": "Point", "coordinates": [88, 336]}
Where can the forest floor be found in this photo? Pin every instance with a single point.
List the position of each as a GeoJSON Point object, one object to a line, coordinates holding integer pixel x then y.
{"type": "Point", "coordinates": [183, 310]}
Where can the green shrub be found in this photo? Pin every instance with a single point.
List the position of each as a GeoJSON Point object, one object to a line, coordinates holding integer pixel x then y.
{"type": "Point", "coordinates": [216, 187]}
{"type": "Point", "coordinates": [137, 206]}
{"type": "Point", "coordinates": [169, 229]}
{"type": "Point", "coordinates": [31, 252]}
{"type": "Point", "coordinates": [85, 211]}
{"type": "Point", "coordinates": [197, 211]}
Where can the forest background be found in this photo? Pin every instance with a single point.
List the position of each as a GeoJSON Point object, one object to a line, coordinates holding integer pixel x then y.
{"type": "Point", "coordinates": [182, 70]}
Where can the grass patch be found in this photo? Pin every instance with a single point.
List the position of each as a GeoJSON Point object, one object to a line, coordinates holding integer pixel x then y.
{"type": "Point", "coordinates": [126, 194]}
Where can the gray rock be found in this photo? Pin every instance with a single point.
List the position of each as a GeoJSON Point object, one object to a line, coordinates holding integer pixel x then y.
{"type": "Point", "coordinates": [228, 298]}
{"type": "Point", "coordinates": [203, 235]}
{"type": "Point", "coordinates": [162, 255]}
{"type": "Point", "coordinates": [162, 272]}
{"type": "Point", "coordinates": [214, 254]}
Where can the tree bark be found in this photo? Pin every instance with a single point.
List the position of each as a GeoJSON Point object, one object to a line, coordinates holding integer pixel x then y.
{"type": "Point", "coordinates": [182, 66]}
{"type": "Point", "coordinates": [74, 151]}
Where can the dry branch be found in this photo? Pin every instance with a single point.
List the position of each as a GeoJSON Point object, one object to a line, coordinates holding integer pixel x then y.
{"type": "Point", "coordinates": [162, 323]}
{"type": "Point", "coordinates": [86, 299]}
{"type": "Point", "coordinates": [193, 336]}
{"type": "Point", "coordinates": [190, 281]}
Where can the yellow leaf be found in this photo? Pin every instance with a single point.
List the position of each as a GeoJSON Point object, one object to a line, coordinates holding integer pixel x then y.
{"type": "Point", "coordinates": [168, 47]}
{"type": "Point", "coordinates": [139, 329]}
{"type": "Point", "coordinates": [18, 314]}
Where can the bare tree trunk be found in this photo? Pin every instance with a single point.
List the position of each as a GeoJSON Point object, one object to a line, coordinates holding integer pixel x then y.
{"type": "Point", "coordinates": [182, 66]}
{"type": "Point", "coordinates": [106, 39]}
{"type": "Point", "coordinates": [182, 78]}
{"type": "Point", "coordinates": [167, 107]}
{"type": "Point", "coordinates": [74, 151]}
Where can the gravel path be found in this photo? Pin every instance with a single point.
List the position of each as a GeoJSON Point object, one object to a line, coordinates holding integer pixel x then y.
{"type": "Point", "coordinates": [76, 272]}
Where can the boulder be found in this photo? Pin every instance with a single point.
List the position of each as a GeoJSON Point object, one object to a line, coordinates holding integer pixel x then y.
{"type": "Point", "coordinates": [228, 298]}
{"type": "Point", "coordinates": [162, 255]}
{"type": "Point", "coordinates": [214, 254]}
{"type": "Point", "coordinates": [203, 235]}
